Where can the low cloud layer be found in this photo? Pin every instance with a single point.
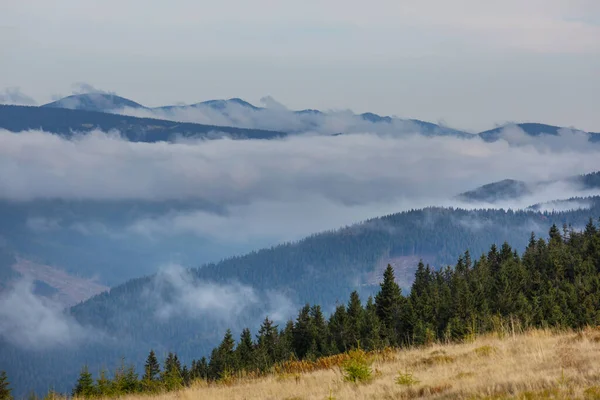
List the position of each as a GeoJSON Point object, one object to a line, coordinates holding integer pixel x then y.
{"type": "Point", "coordinates": [279, 190]}
{"type": "Point", "coordinates": [32, 322]}
{"type": "Point", "coordinates": [175, 292]}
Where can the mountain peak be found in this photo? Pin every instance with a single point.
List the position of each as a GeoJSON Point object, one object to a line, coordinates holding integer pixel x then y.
{"type": "Point", "coordinates": [94, 102]}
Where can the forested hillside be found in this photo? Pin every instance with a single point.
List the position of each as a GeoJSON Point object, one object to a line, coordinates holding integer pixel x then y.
{"type": "Point", "coordinates": [67, 122]}
{"type": "Point", "coordinates": [321, 269]}
{"type": "Point", "coordinates": [508, 189]}
{"type": "Point", "coordinates": [554, 283]}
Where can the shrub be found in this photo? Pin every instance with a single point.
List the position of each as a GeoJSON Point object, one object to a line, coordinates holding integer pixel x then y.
{"type": "Point", "coordinates": [406, 379]}
{"type": "Point", "coordinates": [357, 368]}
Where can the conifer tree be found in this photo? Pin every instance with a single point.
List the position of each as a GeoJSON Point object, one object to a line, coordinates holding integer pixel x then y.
{"type": "Point", "coordinates": [151, 368]}
{"type": "Point", "coordinates": [85, 384]}
{"type": "Point", "coordinates": [5, 390]}
{"type": "Point", "coordinates": [302, 332]}
{"type": "Point", "coordinates": [338, 329]}
{"type": "Point", "coordinates": [186, 376]}
{"type": "Point", "coordinates": [245, 350]}
{"type": "Point", "coordinates": [355, 313]}
{"type": "Point", "coordinates": [223, 358]}
{"type": "Point", "coordinates": [171, 376]}
{"type": "Point", "coordinates": [371, 328]}
{"type": "Point", "coordinates": [104, 387]}
{"type": "Point", "coordinates": [389, 302]}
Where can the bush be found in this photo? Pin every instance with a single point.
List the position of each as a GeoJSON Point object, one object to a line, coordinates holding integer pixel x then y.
{"type": "Point", "coordinates": [406, 379]}
{"type": "Point", "coordinates": [357, 368]}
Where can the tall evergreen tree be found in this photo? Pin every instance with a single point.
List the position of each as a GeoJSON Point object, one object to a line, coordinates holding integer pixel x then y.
{"type": "Point", "coordinates": [355, 313]}
{"type": "Point", "coordinates": [172, 375]}
{"type": "Point", "coordinates": [389, 302]}
{"type": "Point", "coordinates": [151, 368]}
{"type": "Point", "coordinates": [223, 359]}
{"type": "Point", "coordinates": [5, 390]}
{"type": "Point", "coordinates": [245, 350]}
{"type": "Point", "coordinates": [302, 332]}
{"type": "Point", "coordinates": [85, 384]}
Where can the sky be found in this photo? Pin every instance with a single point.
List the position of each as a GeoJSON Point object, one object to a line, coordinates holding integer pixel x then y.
{"type": "Point", "coordinates": [469, 64]}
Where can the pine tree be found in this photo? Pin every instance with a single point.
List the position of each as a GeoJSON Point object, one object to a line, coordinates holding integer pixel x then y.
{"type": "Point", "coordinates": [151, 368]}
{"type": "Point", "coordinates": [171, 376]}
{"type": "Point", "coordinates": [199, 369]}
{"type": "Point", "coordinates": [85, 384]}
{"type": "Point", "coordinates": [104, 387]}
{"type": "Point", "coordinates": [355, 313]}
{"type": "Point", "coordinates": [318, 332]}
{"type": "Point", "coordinates": [371, 328]}
{"type": "Point", "coordinates": [389, 302]}
{"type": "Point", "coordinates": [302, 332]}
{"type": "Point", "coordinates": [5, 390]}
{"type": "Point", "coordinates": [186, 376]}
{"type": "Point", "coordinates": [223, 359]}
{"type": "Point", "coordinates": [338, 330]}
{"type": "Point", "coordinates": [245, 350]}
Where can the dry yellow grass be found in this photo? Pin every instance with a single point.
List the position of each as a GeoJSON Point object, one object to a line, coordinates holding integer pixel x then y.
{"type": "Point", "coordinates": [534, 365]}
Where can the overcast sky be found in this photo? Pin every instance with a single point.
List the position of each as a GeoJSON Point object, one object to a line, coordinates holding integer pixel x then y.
{"type": "Point", "coordinates": [468, 63]}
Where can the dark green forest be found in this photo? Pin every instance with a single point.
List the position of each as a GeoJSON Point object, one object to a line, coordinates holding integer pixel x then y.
{"type": "Point", "coordinates": [555, 283]}
{"type": "Point", "coordinates": [321, 269]}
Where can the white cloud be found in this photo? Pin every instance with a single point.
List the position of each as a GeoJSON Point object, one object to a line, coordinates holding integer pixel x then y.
{"type": "Point", "coordinates": [33, 322]}
{"type": "Point", "coordinates": [278, 190]}
{"type": "Point", "coordinates": [175, 292]}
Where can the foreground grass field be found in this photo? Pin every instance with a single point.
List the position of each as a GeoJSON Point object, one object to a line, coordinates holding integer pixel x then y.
{"type": "Point", "coordinates": [533, 365]}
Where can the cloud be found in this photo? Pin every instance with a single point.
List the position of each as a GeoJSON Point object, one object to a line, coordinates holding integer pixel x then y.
{"type": "Point", "coordinates": [85, 88]}
{"type": "Point", "coordinates": [280, 189]}
{"type": "Point", "coordinates": [13, 95]}
{"type": "Point", "coordinates": [175, 292]}
{"type": "Point", "coordinates": [270, 102]}
{"type": "Point", "coordinates": [34, 322]}
{"type": "Point", "coordinates": [180, 294]}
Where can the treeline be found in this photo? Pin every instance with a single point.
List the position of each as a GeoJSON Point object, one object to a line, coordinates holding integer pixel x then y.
{"type": "Point", "coordinates": [555, 283]}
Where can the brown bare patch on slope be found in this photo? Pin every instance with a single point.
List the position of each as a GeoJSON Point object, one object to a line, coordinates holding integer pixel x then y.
{"type": "Point", "coordinates": [71, 289]}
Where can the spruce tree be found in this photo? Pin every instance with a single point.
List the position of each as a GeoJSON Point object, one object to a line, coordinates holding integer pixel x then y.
{"type": "Point", "coordinates": [223, 359]}
{"type": "Point", "coordinates": [389, 303]}
{"type": "Point", "coordinates": [370, 338]}
{"type": "Point", "coordinates": [104, 387]}
{"type": "Point", "coordinates": [85, 384]}
{"type": "Point", "coordinates": [171, 375]}
{"type": "Point", "coordinates": [5, 390]}
{"type": "Point", "coordinates": [151, 368]}
{"type": "Point", "coordinates": [355, 313]}
{"type": "Point", "coordinates": [245, 350]}
{"type": "Point", "coordinates": [302, 332]}
{"type": "Point", "coordinates": [319, 332]}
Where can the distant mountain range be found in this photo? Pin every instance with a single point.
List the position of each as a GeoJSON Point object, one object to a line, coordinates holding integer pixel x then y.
{"type": "Point", "coordinates": [67, 122]}
{"type": "Point", "coordinates": [234, 117]}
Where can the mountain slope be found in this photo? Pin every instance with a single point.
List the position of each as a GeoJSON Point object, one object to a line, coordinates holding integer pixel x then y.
{"type": "Point", "coordinates": [495, 191]}
{"type": "Point", "coordinates": [510, 189]}
{"type": "Point", "coordinates": [320, 269]}
{"type": "Point", "coordinates": [230, 110]}
{"type": "Point", "coordinates": [310, 119]}
{"type": "Point", "coordinates": [67, 122]}
{"type": "Point", "coordinates": [532, 129]}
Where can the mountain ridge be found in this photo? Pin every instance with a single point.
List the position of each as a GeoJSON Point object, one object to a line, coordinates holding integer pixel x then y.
{"type": "Point", "coordinates": [104, 102]}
